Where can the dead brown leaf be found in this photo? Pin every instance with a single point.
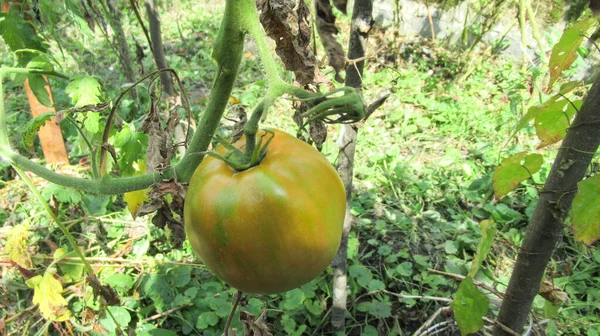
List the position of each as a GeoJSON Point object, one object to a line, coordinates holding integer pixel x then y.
{"type": "Point", "coordinates": [255, 327]}
{"type": "Point", "coordinates": [287, 24]}
{"type": "Point", "coordinates": [325, 22]}
{"type": "Point", "coordinates": [104, 291]}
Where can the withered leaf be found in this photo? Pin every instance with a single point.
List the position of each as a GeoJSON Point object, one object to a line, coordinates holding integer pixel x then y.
{"type": "Point", "coordinates": [256, 327]}
{"type": "Point", "coordinates": [104, 291]}
{"type": "Point", "coordinates": [325, 22]}
{"type": "Point", "coordinates": [287, 24]}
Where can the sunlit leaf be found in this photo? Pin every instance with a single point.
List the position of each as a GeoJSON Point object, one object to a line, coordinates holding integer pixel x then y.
{"type": "Point", "coordinates": [586, 211]}
{"type": "Point", "coordinates": [16, 245]}
{"type": "Point", "coordinates": [555, 103]}
{"type": "Point", "coordinates": [511, 172]}
{"type": "Point", "coordinates": [84, 90]}
{"type": "Point", "coordinates": [551, 125]}
{"type": "Point", "coordinates": [470, 306]}
{"type": "Point", "coordinates": [47, 293]}
{"type": "Point", "coordinates": [564, 53]}
{"type": "Point", "coordinates": [488, 229]}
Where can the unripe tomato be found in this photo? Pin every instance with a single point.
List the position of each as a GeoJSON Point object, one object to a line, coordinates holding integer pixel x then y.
{"type": "Point", "coordinates": [270, 228]}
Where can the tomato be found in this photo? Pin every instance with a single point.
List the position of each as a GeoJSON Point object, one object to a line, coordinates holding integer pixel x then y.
{"type": "Point", "coordinates": [270, 228]}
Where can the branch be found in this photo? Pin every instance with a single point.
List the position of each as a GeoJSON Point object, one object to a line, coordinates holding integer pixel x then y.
{"type": "Point", "coordinates": [228, 54]}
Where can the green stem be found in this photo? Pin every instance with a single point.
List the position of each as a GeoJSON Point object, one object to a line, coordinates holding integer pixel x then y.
{"type": "Point", "coordinates": [228, 53]}
{"type": "Point", "coordinates": [250, 130]}
{"type": "Point", "coordinates": [95, 172]}
{"type": "Point", "coordinates": [536, 32]}
{"type": "Point", "coordinates": [49, 211]}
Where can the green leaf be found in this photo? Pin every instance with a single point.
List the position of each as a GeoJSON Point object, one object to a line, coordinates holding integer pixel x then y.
{"type": "Point", "coordinates": [38, 84]}
{"type": "Point", "coordinates": [375, 285]}
{"type": "Point", "coordinates": [361, 273]}
{"type": "Point", "coordinates": [159, 291]}
{"type": "Point", "coordinates": [182, 275]}
{"type": "Point", "coordinates": [18, 34]}
{"type": "Point", "coordinates": [131, 147]}
{"type": "Point", "coordinates": [488, 230]}
{"type": "Point", "coordinates": [33, 126]}
{"type": "Point", "coordinates": [62, 194]}
{"type": "Point", "coordinates": [450, 247]}
{"type": "Point", "coordinates": [510, 173]}
{"type": "Point", "coordinates": [120, 282]}
{"type": "Point", "coordinates": [586, 211]}
{"type": "Point", "coordinates": [551, 124]}
{"type": "Point", "coordinates": [84, 90]}
{"type": "Point", "coordinates": [382, 309]}
{"type": "Point", "coordinates": [550, 310]}
{"type": "Point", "coordinates": [73, 271]}
{"type": "Point", "coordinates": [220, 306]}
{"type": "Point", "coordinates": [469, 306]}
{"type": "Point", "coordinates": [405, 269]}
{"type": "Point", "coordinates": [40, 62]}
{"type": "Point", "coordinates": [91, 122]}
{"type": "Point", "coordinates": [370, 331]}
{"type": "Point", "coordinates": [564, 53]}
{"type": "Point", "coordinates": [293, 299]}
{"type": "Point", "coordinates": [120, 314]}
{"type": "Point", "coordinates": [207, 319]}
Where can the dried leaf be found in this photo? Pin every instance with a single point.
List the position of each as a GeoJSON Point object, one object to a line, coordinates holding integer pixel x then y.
{"type": "Point", "coordinates": [287, 24]}
{"type": "Point", "coordinates": [325, 22]}
{"type": "Point", "coordinates": [553, 294]}
{"type": "Point", "coordinates": [255, 327]}
{"type": "Point", "coordinates": [104, 291]}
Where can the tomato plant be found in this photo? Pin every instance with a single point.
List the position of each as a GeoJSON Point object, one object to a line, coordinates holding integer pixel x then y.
{"type": "Point", "coordinates": [269, 228]}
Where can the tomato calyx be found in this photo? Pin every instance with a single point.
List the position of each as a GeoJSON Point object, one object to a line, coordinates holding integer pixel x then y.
{"type": "Point", "coordinates": [349, 107]}
{"type": "Point", "coordinates": [240, 160]}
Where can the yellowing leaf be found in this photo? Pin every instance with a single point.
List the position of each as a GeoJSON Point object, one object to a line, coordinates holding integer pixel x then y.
{"type": "Point", "coordinates": [586, 211]}
{"type": "Point", "coordinates": [511, 172]}
{"type": "Point", "coordinates": [488, 229]}
{"type": "Point", "coordinates": [551, 124]}
{"type": "Point", "coordinates": [564, 53]}
{"type": "Point", "coordinates": [135, 199]}
{"type": "Point", "coordinates": [47, 293]}
{"type": "Point", "coordinates": [16, 246]}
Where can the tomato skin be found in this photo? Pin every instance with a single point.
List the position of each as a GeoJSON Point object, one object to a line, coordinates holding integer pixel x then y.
{"type": "Point", "coordinates": [270, 228]}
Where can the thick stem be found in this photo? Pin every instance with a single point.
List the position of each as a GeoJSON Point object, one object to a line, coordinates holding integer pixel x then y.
{"type": "Point", "coordinates": [547, 223]}
{"type": "Point", "coordinates": [229, 48]}
{"type": "Point", "coordinates": [228, 53]}
{"type": "Point", "coordinates": [361, 24]}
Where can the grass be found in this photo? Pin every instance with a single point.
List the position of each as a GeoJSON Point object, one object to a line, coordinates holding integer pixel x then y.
{"type": "Point", "coordinates": [422, 185]}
